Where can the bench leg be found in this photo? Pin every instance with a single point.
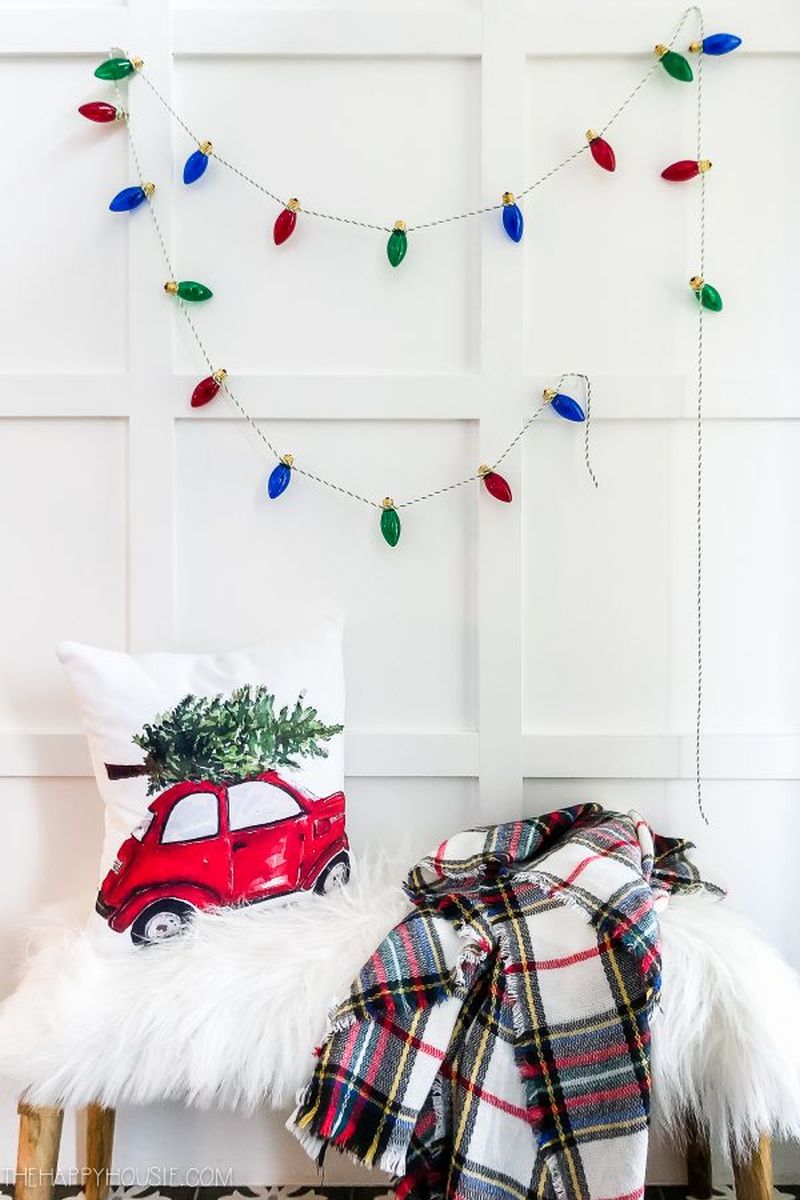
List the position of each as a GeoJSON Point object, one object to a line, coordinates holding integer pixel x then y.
{"type": "Point", "coordinates": [752, 1176]}
{"type": "Point", "coordinates": [698, 1163]}
{"type": "Point", "coordinates": [99, 1147]}
{"type": "Point", "coordinates": [37, 1154]}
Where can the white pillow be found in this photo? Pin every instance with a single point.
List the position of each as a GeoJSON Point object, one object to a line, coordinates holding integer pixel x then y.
{"type": "Point", "coordinates": [222, 776]}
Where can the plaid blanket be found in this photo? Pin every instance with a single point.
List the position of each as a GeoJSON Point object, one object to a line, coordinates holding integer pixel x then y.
{"type": "Point", "coordinates": [496, 1045]}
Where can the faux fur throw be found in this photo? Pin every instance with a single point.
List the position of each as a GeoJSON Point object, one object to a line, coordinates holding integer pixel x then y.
{"type": "Point", "coordinates": [498, 1041]}
{"type": "Point", "coordinates": [167, 1023]}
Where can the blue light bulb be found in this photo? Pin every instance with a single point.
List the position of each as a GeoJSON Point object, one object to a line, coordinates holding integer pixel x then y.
{"type": "Point", "coordinates": [131, 197]}
{"type": "Point", "coordinates": [564, 405]}
{"type": "Point", "coordinates": [280, 477]}
{"type": "Point", "coordinates": [717, 44]}
{"type": "Point", "coordinates": [196, 163]}
{"type": "Point", "coordinates": [513, 221]}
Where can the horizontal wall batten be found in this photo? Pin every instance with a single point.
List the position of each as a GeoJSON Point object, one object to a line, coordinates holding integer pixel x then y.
{"type": "Point", "coordinates": [62, 31]}
{"type": "Point", "coordinates": [349, 33]}
{"type": "Point", "coordinates": [660, 756]}
{"type": "Point", "coordinates": [450, 755]}
{"type": "Point", "coordinates": [571, 30]}
{"type": "Point", "coordinates": [397, 397]}
{"type": "Point", "coordinates": [575, 29]}
{"type": "Point", "coordinates": [456, 755]}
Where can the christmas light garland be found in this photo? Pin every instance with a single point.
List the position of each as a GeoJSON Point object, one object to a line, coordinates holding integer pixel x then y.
{"type": "Point", "coordinates": [119, 67]}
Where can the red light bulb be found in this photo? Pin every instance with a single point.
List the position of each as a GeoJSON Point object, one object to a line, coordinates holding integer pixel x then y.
{"type": "Point", "coordinates": [685, 168]}
{"type": "Point", "coordinates": [602, 153]}
{"type": "Point", "coordinates": [207, 388]}
{"type": "Point", "coordinates": [285, 222]}
{"type": "Point", "coordinates": [100, 112]}
{"type": "Point", "coordinates": [495, 484]}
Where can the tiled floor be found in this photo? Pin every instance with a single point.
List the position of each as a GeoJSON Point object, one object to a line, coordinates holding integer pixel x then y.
{"type": "Point", "coordinates": [323, 1192]}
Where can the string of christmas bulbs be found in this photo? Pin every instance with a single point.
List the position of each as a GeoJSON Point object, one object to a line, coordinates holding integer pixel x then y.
{"type": "Point", "coordinates": [119, 67]}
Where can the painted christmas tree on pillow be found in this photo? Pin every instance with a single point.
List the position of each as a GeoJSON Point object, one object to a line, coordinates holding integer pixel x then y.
{"type": "Point", "coordinates": [227, 827]}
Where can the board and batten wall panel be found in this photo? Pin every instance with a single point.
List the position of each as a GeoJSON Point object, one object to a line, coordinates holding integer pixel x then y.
{"type": "Point", "coordinates": [501, 660]}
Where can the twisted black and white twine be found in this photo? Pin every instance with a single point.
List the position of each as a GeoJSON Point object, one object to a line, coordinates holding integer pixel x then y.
{"type": "Point", "coordinates": [698, 775]}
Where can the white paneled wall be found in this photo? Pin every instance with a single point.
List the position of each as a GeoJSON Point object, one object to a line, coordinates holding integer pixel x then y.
{"type": "Point", "coordinates": [500, 660]}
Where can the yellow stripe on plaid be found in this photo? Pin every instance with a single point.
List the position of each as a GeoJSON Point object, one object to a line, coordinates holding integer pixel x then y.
{"type": "Point", "coordinates": [534, 1030]}
{"type": "Point", "coordinates": [369, 1157]}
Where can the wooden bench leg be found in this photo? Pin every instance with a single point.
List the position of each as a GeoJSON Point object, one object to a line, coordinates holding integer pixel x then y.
{"type": "Point", "coordinates": [37, 1155]}
{"type": "Point", "coordinates": [99, 1147]}
{"type": "Point", "coordinates": [752, 1176]}
{"type": "Point", "coordinates": [698, 1163]}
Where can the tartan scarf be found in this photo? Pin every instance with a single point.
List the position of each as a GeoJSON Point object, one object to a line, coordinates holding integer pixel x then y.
{"type": "Point", "coordinates": [497, 1043]}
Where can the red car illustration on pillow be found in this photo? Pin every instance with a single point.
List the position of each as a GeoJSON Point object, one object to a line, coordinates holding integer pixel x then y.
{"type": "Point", "coordinates": [207, 845]}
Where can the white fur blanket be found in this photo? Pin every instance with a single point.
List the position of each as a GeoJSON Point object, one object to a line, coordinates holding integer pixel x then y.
{"type": "Point", "coordinates": [230, 1015]}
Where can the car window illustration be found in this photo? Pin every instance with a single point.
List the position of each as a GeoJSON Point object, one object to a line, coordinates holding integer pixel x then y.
{"type": "Point", "coordinates": [257, 802]}
{"type": "Point", "coordinates": [194, 817]}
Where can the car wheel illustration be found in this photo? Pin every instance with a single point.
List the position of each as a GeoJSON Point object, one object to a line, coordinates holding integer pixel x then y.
{"type": "Point", "coordinates": [335, 874]}
{"type": "Point", "coordinates": [160, 921]}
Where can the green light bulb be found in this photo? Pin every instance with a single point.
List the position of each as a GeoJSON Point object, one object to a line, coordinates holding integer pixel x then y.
{"type": "Point", "coordinates": [708, 296]}
{"type": "Point", "coordinates": [675, 64]}
{"type": "Point", "coordinates": [188, 289]}
{"type": "Point", "coordinates": [396, 246]}
{"type": "Point", "coordinates": [390, 522]}
{"type": "Point", "coordinates": [118, 68]}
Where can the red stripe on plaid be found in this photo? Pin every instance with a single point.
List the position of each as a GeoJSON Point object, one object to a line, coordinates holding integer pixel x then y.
{"type": "Point", "coordinates": [513, 1110]}
{"type": "Point", "coordinates": [590, 858]}
{"type": "Point", "coordinates": [405, 938]}
{"type": "Point", "coordinates": [619, 1093]}
{"type": "Point", "coordinates": [588, 1059]}
{"type": "Point", "coordinates": [551, 964]}
{"type": "Point", "coordinates": [411, 1039]}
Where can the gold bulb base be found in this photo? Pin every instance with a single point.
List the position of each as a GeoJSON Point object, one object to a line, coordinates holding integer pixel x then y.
{"type": "Point", "coordinates": [399, 225]}
{"type": "Point", "coordinates": [293, 205]}
{"type": "Point", "coordinates": [171, 287]}
{"type": "Point", "coordinates": [549, 393]}
{"type": "Point", "coordinates": [509, 198]}
{"type": "Point", "coordinates": [287, 460]}
{"type": "Point", "coordinates": [206, 148]}
{"type": "Point", "coordinates": [121, 115]}
{"type": "Point", "coordinates": [591, 134]}
{"type": "Point", "coordinates": [704, 164]}
{"type": "Point", "coordinates": [696, 282]}
{"type": "Point", "coordinates": [660, 49]}
{"type": "Point", "coordinates": [388, 502]}
{"type": "Point", "coordinates": [695, 47]}
{"type": "Point", "coordinates": [137, 63]}
{"type": "Point", "coordinates": [220, 376]}
{"type": "Point", "coordinates": [484, 470]}
{"type": "Point", "coordinates": [148, 189]}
